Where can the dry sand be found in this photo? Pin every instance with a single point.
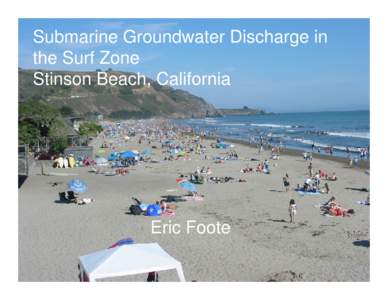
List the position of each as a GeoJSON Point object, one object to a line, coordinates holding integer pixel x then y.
{"type": "Point", "coordinates": [262, 245]}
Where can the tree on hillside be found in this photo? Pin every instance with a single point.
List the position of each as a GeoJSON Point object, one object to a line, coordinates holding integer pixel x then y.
{"type": "Point", "coordinates": [66, 111]}
{"type": "Point", "coordinates": [38, 121]}
{"type": "Point", "coordinates": [89, 129]}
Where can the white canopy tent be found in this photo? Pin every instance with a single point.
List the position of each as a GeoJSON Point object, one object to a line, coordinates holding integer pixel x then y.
{"type": "Point", "coordinates": [128, 260]}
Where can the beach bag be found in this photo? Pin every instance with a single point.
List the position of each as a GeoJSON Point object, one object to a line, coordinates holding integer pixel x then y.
{"type": "Point", "coordinates": [135, 210]}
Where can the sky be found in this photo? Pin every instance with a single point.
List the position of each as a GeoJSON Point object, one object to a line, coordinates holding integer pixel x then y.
{"type": "Point", "coordinates": [277, 78]}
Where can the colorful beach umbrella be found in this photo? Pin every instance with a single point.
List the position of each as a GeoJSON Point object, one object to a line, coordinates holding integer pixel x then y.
{"type": "Point", "coordinates": [188, 186]}
{"type": "Point", "coordinates": [77, 186]}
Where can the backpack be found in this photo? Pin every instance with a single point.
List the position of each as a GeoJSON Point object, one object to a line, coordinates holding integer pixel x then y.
{"type": "Point", "coordinates": [135, 210]}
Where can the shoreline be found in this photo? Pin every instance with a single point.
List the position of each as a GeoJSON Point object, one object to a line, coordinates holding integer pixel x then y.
{"type": "Point", "coordinates": [362, 164]}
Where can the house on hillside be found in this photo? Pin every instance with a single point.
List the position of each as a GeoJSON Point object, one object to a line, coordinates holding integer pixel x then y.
{"type": "Point", "coordinates": [75, 122]}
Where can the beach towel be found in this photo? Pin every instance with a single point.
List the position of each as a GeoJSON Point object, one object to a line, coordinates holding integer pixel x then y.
{"type": "Point", "coordinates": [363, 202]}
{"type": "Point", "coordinates": [327, 215]}
{"type": "Point", "coordinates": [308, 193]}
{"type": "Point", "coordinates": [193, 198]}
{"type": "Point", "coordinates": [110, 173]}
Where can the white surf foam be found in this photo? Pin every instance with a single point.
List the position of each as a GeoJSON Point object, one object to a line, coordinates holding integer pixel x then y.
{"type": "Point", "coordinates": [323, 146]}
{"type": "Point", "coordinates": [271, 125]}
{"type": "Point", "coordinates": [361, 135]}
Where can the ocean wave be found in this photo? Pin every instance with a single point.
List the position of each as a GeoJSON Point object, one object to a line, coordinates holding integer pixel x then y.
{"type": "Point", "coordinates": [272, 125]}
{"type": "Point", "coordinates": [361, 135]}
{"type": "Point", "coordinates": [210, 121]}
{"type": "Point", "coordinates": [232, 124]}
{"type": "Point", "coordinates": [323, 146]}
{"type": "Point", "coordinates": [276, 135]}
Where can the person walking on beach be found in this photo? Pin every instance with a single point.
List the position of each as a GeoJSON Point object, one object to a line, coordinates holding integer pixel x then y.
{"type": "Point", "coordinates": [286, 182]}
{"type": "Point", "coordinates": [310, 169]}
{"type": "Point", "coordinates": [292, 210]}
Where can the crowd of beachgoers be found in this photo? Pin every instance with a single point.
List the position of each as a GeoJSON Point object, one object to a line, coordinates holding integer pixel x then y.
{"type": "Point", "coordinates": [181, 170]}
{"type": "Point", "coordinates": [180, 143]}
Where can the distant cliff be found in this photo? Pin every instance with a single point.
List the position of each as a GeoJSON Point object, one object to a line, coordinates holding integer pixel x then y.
{"type": "Point", "coordinates": [121, 102]}
{"type": "Point", "coordinates": [245, 111]}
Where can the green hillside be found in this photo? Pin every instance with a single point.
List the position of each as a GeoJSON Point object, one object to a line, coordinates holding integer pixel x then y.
{"type": "Point", "coordinates": [116, 101]}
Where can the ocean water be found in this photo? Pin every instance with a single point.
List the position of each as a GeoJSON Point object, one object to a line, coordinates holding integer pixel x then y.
{"type": "Point", "coordinates": [340, 130]}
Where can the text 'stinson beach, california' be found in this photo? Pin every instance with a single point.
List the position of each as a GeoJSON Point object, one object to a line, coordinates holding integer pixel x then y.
{"type": "Point", "coordinates": [200, 150]}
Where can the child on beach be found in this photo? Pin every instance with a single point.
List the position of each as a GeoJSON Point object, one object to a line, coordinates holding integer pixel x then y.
{"type": "Point", "coordinates": [292, 210]}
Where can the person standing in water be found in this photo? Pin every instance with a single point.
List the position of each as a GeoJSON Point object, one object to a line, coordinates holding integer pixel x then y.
{"type": "Point", "coordinates": [292, 210]}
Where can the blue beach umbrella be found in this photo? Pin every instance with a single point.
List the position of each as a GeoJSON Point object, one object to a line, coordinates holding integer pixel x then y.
{"type": "Point", "coordinates": [77, 186]}
{"type": "Point", "coordinates": [188, 186]}
{"type": "Point", "coordinates": [128, 154]}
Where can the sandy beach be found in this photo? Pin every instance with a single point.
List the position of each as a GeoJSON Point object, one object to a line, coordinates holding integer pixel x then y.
{"type": "Point", "coordinates": [262, 244]}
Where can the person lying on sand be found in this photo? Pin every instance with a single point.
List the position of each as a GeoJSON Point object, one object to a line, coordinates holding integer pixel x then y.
{"type": "Point", "coordinates": [167, 207]}
{"type": "Point", "coordinates": [332, 177]}
{"type": "Point", "coordinates": [260, 168]}
{"type": "Point", "coordinates": [327, 204]}
{"type": "Point", "coordinates": [336, 210]}
{"type": "Point", "coordinates": [84, 201]}
{"type": "Point", "coordinates": [247, 169]}
{"type": "Point", "coordinates": [332, 208]}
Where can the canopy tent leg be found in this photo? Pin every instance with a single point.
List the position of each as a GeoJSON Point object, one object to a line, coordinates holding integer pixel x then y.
{"type": "Point", "coordinates": [180, 273]}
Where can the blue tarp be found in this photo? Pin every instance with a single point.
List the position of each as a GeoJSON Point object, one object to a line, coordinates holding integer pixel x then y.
{"type": "Point", "coordinates": [308, 193]}
{"type": "Point", "coordinates": [188, 186]}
